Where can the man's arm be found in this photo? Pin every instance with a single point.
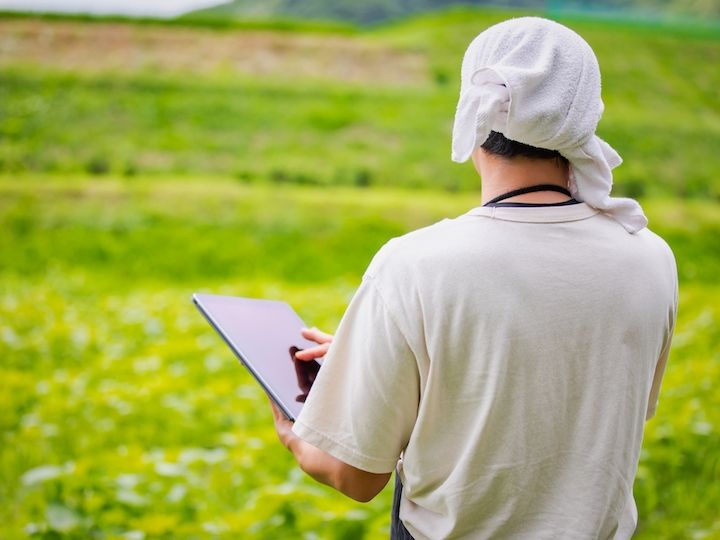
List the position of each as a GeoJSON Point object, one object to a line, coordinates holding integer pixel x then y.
{"type": "Point", "coordinates": [657, 380]}
{"type": "Point", "coordinates": [351, 481]}
{"type": "Point", "coordinates": [662, 361]}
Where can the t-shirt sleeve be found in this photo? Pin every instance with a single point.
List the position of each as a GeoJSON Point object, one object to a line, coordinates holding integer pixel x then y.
{"type": "Point", "coordinates": [363, 404]}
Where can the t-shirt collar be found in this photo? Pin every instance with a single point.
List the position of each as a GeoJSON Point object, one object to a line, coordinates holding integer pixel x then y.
{"type": "Point", "coordinates": [539, 214]}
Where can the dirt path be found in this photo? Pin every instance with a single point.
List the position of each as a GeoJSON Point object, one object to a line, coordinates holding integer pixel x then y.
{"type": "Point", "coordinates": [126, 48]}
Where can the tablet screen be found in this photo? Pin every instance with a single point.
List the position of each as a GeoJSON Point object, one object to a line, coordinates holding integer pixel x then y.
{"type": "Point", "coordinates": [264, 335]}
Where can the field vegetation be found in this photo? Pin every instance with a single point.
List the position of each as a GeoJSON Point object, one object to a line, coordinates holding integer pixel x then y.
{"type": "Point", "coordinates": [140, 163]}
{"type": "Point", "coordinates": [261, 106]}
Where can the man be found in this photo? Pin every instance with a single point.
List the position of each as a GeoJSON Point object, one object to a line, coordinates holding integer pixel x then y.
{"type": "Point", "coordinates": [504, 362]}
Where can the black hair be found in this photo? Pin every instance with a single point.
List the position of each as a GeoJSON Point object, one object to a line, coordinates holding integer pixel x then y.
{"type": "Point", "coordinates": [499, 145]}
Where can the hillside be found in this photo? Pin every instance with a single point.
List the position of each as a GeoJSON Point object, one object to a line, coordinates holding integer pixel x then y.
{"type": "Point", "coordinates": [371, 107]}
{"type": "Point", "coordinates": [374, 11]}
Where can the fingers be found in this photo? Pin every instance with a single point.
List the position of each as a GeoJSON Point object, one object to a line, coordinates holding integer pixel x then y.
{"type": "Point", "coordinates": [313, 352]}
{"type": "Point", "coordinates": [283, 426]}
{"type": "Point", "coordinates": [318, 336]}
{"type": "Point", "coordinates": [277, 413]}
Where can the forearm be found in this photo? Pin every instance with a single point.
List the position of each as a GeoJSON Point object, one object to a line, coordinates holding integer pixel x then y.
{"type": "Point", "coordinates": [320, 465]}
{"type": "Point", "coordinates": [351, 481]}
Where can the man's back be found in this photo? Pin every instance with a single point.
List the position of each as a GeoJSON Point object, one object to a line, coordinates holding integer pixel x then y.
{"type": "Point", "coordinates": [535, 333]}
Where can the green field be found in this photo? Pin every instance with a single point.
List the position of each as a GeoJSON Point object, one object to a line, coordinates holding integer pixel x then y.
{"type": "Point", "coordinates": [151, 115]}
{"type": "Point", "coordinates": [127, 185]}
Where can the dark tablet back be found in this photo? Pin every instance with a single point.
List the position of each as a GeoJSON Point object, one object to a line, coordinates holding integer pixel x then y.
{"type": "Point", "coordinates": [264, 335]}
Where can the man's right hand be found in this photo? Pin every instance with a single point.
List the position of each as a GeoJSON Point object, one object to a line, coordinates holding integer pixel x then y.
{"type": "Point", "coordinates": [321, 338]}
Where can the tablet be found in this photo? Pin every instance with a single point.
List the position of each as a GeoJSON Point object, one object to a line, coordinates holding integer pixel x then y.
{"type": "Point", "coordinates": [265, 335]}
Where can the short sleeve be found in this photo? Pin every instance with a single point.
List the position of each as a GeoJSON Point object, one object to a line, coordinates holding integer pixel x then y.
{"type": "Point", "coordinates": [363, 404]}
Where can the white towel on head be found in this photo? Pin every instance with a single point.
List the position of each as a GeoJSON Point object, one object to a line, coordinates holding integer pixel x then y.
{"type": "Point", "coordinates": [538, 82]}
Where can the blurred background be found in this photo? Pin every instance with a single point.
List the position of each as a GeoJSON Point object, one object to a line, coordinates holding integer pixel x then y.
{"type": "Point", "coordinates": [151, 149]}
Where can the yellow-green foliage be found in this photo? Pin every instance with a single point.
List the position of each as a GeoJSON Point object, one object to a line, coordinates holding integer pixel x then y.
{"type": "Point", "coordinates": [122, 412]}
{"type": "Point", "coordinates": [123, 416]}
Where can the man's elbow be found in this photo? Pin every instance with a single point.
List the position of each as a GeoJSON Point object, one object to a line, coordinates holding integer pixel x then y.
{"type": "Point", "coordinates": [359, 492]}
{"type": "Point", "coordinates": [362, 497]}
{"type": "Point", "coordinates": [650, 412]}
{"type": "Point", "coordinates": [359, 485]}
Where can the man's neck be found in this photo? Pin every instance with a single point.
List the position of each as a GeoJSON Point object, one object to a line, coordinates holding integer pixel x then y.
{"type": "Point", "coordinates": [500, 176]}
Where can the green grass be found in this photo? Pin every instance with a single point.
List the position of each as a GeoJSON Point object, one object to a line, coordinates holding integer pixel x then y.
{"type": "Point", "coordinates": [123, 416]}
{"type": "Point", "coordinates": [196, 20]}
{"type": "Point", "coordinates": [171, 126]}
{"type": "Point", "coordinates": [660, 93]}
{"type": "Point", "coordinates": [103, 352]}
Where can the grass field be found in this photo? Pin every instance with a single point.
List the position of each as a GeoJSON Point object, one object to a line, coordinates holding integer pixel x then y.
{"type": "Point", "coordinates": [126, 187]}
{"type": "Point", "coordinates": [262, 106]}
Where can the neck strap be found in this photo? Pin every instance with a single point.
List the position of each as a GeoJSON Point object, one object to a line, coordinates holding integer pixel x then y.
{"type": "Point", "coordinates": [528, 189]}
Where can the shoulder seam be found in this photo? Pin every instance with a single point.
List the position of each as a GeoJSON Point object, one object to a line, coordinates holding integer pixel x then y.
{"type": "Point", "coordinates": [373, 283]}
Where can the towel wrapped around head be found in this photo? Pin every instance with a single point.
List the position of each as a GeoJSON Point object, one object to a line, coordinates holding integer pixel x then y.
{"type": "Point", "coordinates": [538, 82]}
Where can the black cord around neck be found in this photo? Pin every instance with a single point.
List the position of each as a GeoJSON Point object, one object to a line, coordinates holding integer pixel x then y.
{"type": "Point", "coordinates": [528, 189]}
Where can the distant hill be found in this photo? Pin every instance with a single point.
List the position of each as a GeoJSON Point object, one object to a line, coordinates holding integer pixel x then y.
{"type": "Point", "coordinates": [375, 11]}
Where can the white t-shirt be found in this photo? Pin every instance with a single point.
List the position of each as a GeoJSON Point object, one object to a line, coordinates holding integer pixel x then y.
{"type": "Point", "coordinates": [509, 357]}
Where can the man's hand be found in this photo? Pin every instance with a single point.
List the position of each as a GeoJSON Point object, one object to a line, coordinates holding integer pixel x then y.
{"type": "Point", "coordinates": [283, 426]}
{"type": "Point", "coordinates": [321, 338]}
{"type": "Point", "coordinates": [323, 467]}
